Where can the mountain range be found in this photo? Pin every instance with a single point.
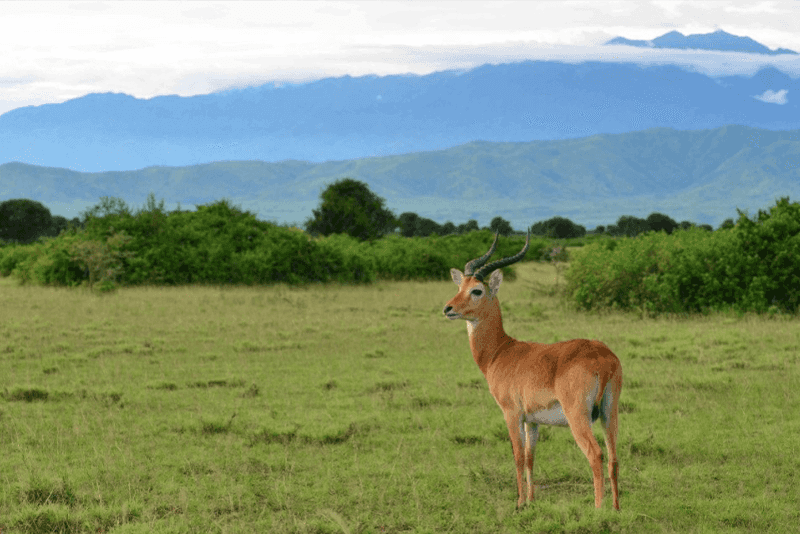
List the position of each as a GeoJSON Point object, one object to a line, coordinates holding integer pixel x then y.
{"type": "Point", "coordinates": [700, 176]}
{"type": "Point", "coordinates": [718, 40]}
{"type": "Point", "coordinates": [346, 118]}
{"type": "Point", "coordinates": [528, 140]}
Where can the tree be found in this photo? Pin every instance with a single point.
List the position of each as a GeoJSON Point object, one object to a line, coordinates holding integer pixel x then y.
{"type": "Point", "coordinates": [62, 223]}
{"type": "Point", "coordinates": [600, 229]}
{"type": "Point", "coordinates": [501, 226]}
{"type": "Point", "coordinates": [58, 225]}
{"type": "Point", "coordinates": [24, 220]}
{"type": "Point", "coordinates": [408, 223]}
{"type": "Point", "coordinates": [426, 227]}
{"type": "Point", "coordinates": [727, 223]}
{"type": "Point", "coordinates": [469, 226]}
{"type": "Point", "coordinates": [659, 221]}
{"type": "Point", "coordinates": [448, 228]}
{"type": "Point", "coordinates": [106, 206]}
{"type": "Point", "coordinates": [559, 228]}
{"type": "Point", "coordinates": [632, 226]}
{"type": "Point", "coordinates": [349, 207]}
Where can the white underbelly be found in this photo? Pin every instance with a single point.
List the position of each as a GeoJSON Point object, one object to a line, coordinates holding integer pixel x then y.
{"type": "Point", "coordinates": [554, 415]}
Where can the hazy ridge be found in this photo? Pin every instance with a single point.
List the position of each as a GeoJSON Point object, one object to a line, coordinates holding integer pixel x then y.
{"type": "Point", "coordinates": [690, 175]}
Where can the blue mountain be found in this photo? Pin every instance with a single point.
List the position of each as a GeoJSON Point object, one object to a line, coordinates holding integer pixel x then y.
{"type": "Point", "coordinates": [347, 118]}
{"type": "Point", "coordinates": [718, 40]}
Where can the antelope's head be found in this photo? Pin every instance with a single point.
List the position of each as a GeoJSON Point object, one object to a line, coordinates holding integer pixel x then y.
{"type": "Point", "coordinates": [473, 291]}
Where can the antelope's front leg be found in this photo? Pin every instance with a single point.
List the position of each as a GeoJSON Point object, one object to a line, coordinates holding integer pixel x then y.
{"type": "Point", "coordinates": [531, 433]}
{"type": "Point", "coordinates": [516, 431]}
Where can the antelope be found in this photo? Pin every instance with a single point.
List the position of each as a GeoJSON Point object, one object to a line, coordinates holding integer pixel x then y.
{"type": "Point", "coordinates": [569, 383]}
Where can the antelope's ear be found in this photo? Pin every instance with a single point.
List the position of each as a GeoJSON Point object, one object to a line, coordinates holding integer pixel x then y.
{"type": "Point", "coordinates": [494, 281]}
{"type": "Point", "coordinates": [457, 275]}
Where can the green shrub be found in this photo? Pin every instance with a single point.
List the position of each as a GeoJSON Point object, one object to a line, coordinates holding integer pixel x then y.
{"type": "Point", "coordinates": [406, 258]}
{"type": "Point", "coordinates": [10, 256]}
{"type": "Point", "coordinates": [49, 261]}
{"type": "Point", "coordinates": [346, 259]}
{"type": "Point", "coordinates": [751, 267]}
{"type": "Point", "coordinates": [102, 260]}
{"type": "Point", "coordinates": [218, 244]}
{"type": "Point", "coordinates": [68, 260]}
{"type": "Point", "coordinates": [769, 247]}
{"type": "Point", "coordinates": [221, 244]}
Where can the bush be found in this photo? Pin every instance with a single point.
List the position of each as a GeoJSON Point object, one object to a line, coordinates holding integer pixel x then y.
{"type": "Point", "coordinates": [346, 259]}
{"type": "Point", "coordinates": [770, 256]}
{"type": "Point", "coordinates": [408, 258]}
{"type": "Point", "coordinates": [431, 258]}
{"type": "Point", "coordinates": [218, 244]}
{"type": "Point", "coordinates": [101, 260]}
{"type": "Point", "coordinates": [752, 267]}
{"type": "Point", "coordinates": [48, 261]}
{"type": "Point", "coordinates": [683, 272]}
{"type": "Point", "coordinates": [10, 256]}
{"type": "Point", "coordinates": [221, 244]}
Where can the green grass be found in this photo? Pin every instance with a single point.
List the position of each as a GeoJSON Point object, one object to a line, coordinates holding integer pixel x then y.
{"type": "Point", "coordinates": [360, 410]}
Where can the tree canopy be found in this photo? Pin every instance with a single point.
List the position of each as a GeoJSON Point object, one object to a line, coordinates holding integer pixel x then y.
{"type": "Point", "coordinates": [501, 226]}
{"type": "Point", "coordinates": [349, 207]}
{"type": "Point", "coordinates": [659, 221]}
{"type": "Point", "coordinates": [559, 228]}
{"type": "Point", "coordinates": [23, 220]}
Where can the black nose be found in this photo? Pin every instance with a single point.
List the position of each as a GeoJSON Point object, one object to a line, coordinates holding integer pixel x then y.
{"type": "Point", "coordinates": [447, 309]}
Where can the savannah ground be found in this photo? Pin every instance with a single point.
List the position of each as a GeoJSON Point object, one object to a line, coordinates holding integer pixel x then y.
{"type": "Point", "coordinates": [359, 409]}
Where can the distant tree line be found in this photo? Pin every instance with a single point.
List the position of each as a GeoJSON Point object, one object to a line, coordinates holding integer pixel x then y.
{"type": "Point", "coordinates": [627, 225]}
{"type": "Point", "coordinates": [347, 207]}
{"type": "Point", "coordinates": [412, 225]}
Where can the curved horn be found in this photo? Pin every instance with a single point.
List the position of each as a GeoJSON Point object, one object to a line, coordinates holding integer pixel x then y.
{"type": "Point", "coordinates": [483, 271]}
{"type": "Point", "coordinates": [470, 267]}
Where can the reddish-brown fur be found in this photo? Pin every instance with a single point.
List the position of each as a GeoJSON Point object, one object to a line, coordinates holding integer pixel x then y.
{"type": "Point", "coordinates": [526, 378]}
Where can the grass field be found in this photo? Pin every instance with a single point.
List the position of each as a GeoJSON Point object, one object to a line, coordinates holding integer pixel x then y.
{"type": "Point", "coordinates": [360, 410]}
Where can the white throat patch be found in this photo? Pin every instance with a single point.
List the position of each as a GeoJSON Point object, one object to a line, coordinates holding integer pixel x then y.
{"type": "Point", "coordinates": [471, 326]}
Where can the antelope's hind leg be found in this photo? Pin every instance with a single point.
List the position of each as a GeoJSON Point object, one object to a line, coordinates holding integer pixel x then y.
{"type": "Point", "coordinates": [609, 412]}
{"type": "Point", "coordinates": [580, 423]}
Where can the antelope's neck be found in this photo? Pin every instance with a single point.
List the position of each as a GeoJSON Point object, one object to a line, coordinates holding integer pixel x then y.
{"type": "Point", "coordinates": [486, 337]}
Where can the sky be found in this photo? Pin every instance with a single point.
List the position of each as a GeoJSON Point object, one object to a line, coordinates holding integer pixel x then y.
{"type": "Point", "coordinates": [56, 51]}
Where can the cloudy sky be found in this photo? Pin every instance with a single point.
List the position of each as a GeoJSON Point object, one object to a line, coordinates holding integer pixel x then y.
{"type": "Point", "coordinates": [55, 51]}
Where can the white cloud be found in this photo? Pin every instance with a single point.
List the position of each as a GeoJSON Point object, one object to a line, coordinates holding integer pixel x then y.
{"type": "Point", "coordinates": [773, 97]}
{"type": "Point", "coordinates": [761, 7]}
{"type": "Point", "coordinates": [64, 50]}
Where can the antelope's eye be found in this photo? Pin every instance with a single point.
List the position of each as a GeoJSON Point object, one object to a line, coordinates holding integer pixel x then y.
{"type": "Point", "coordinates": [476, 292]}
